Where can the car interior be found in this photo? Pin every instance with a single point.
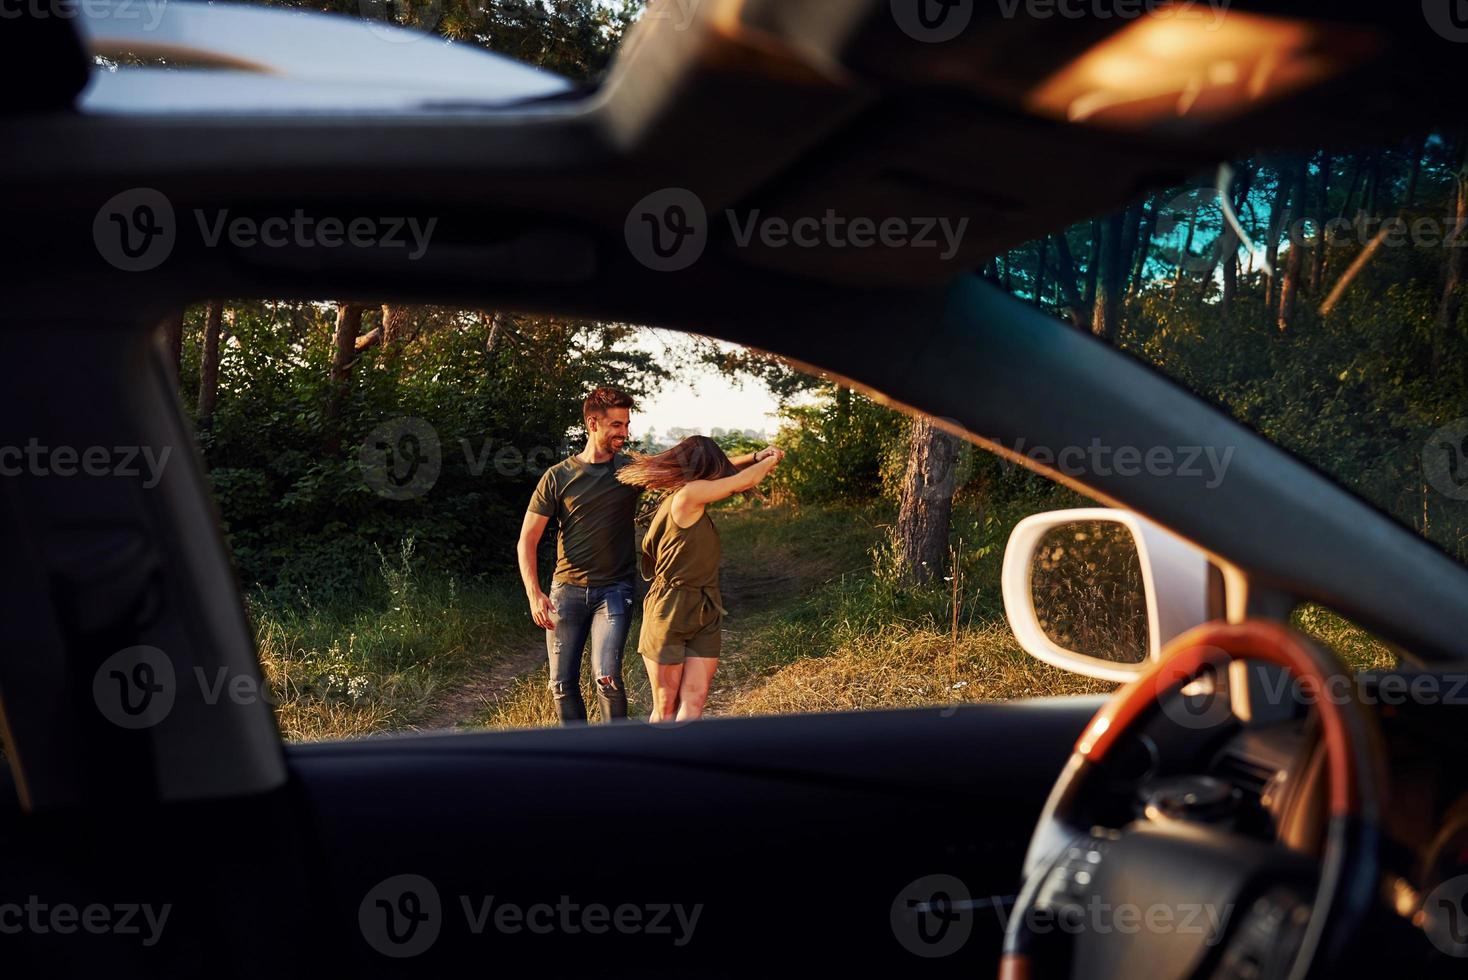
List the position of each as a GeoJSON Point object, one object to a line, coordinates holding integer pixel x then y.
{"type": "Point", "coordinates": [1339, 845]}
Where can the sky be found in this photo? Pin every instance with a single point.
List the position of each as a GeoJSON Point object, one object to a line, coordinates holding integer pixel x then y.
{"type": "Point", "coordinates": [703, 399]}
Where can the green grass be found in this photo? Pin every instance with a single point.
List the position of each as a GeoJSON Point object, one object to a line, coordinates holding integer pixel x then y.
{"type": "Point", "coordinates": [818, 623]}
{"type": "Point", "coordinates": [340, 670]}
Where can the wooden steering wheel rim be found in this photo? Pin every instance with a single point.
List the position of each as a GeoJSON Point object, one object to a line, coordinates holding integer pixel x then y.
{"type": "Point", "coordinates": [1217, 644]}
{"type": "Point", "coordinates": [1353, 747]}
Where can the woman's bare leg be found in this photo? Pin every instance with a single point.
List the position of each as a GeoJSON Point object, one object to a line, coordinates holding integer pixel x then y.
{"type": "Point", "coordinates": [665, 680]}
{"type": "Point", "coordinates": [693, 691]}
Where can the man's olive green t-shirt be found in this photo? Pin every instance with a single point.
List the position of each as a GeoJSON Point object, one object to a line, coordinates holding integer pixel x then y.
{"type": "Point", "coordinates": [595, 511]}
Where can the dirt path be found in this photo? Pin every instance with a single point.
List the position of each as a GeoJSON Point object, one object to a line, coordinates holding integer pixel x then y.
{"type": "Point", "coordinates": [480, 689]}
{"type": "Point", "coordinates": [745, 590]}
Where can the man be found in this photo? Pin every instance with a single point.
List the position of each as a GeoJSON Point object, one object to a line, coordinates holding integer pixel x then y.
{"type": "Point", "coordinates": [596, 559]}
{"type": "Point", "coordinates": [592, 589]}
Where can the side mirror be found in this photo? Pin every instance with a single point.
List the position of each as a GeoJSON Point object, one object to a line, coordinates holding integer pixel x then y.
{"type": "Point", "coordinates": [1099, 592]}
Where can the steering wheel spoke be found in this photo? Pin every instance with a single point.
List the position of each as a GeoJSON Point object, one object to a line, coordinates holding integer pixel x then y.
{"type": "Point", "coordinates": [1166, 897]}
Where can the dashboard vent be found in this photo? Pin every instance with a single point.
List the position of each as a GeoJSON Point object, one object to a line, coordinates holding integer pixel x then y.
{"type": "Point", "coordinates": [1249, 775]}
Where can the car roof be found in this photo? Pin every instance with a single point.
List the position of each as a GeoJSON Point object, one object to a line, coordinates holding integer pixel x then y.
{"type": "Point", "coordinates": [794, 109]}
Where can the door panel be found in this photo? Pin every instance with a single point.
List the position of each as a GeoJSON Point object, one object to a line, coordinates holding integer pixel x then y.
{"type": "Point", "coordinates": [785, 841]}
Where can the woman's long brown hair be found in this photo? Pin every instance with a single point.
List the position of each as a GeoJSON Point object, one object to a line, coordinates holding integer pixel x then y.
{"type": "Point", "coordinates": [695, 458]}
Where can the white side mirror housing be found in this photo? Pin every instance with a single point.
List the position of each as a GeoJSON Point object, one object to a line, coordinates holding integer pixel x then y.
{"type": "Point", "coordinates": [1172, 589]}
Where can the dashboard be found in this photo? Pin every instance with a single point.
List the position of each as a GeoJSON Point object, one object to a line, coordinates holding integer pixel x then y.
{"type": "Point", "coordinates": [1262, 775]}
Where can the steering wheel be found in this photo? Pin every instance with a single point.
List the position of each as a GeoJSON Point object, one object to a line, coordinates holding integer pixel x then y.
{"type": "Point", "coordinates": [1297, 916]}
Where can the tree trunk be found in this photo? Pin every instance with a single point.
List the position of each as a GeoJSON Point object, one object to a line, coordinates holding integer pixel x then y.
{"type": "Point", "coordinates": [1065, 272]}
{"type": "Point", "coordinates": [1093, 263]}
{"type": "Point", "coordinates": [1295, 262]}
{"type": "Point", "coordinates": [209, 365]}
{"type": "Point", "coordinates": [1457, 266]}
{"type": "Point", "coordinates": [173, 343]}
{"type": "Point", "coordinates": [1351, 188]}
{"type": "Point", "coordinates": [920, 538]}
{"type": "Point", "coordinates": [395, 322]}
{"type": "Point", "coordinates": [1322, 208]}
{"type": "Point", "coordinates": [1144, 244]}
{"type": "Point", "coordinates": [344, 343]}
{"type": "Point", "coordinates": [1371, 202]}
{"type": "Point", "coordinates": [1416, 148]}
{"type": "Point", "coordinates": [1182, 255]}
{"type": "Point", "coordinates": [1106, 318]}
{"type": "Point", "coordinates": [1042, 248]}
{"type": "Point", "coordinates": [1278, 217]}
{"type": "Point", "coordinates": [1228, 248]}
{"type": "Point", "coordinates": [492, 338]}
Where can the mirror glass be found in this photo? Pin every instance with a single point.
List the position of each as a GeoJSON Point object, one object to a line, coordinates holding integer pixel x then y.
{"type": "Point", "coordinates": [1086, 585]}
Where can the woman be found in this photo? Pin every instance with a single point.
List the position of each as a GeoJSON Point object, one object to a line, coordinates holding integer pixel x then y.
{"type": "Point", "coordinates": [680, 555]}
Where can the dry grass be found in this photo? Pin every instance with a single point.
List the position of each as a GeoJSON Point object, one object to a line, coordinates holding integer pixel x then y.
{"type": "Point", "coordinates": [1359, 649]}
{"type": "Point", "coordinates": [907, 667]}
{"type": "Point", "coordinates": [816, 625]}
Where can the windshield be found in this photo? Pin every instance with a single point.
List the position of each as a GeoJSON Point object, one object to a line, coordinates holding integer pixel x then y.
{"type": "Point", "coordinates": [1318, 297]}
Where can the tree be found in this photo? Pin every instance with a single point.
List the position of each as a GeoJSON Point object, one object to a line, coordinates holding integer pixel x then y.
{"type": "Point", "coordinates": [209, 365]}
{"type": "Point", "coordinates": [1106, 316]}
{"type": "Point", "coordinates": [1295, 261]}
{"type": "Point", "coordinates": [1278, 218]}
{"type": "Point", "coordinates": [172, 331]}
{"type": "Point", "coordinates": [1093, 263]}
{"type": "Point", "coordinates": [1457, 263]}
{"type": "Point", "coordinates": [395, 323]}
{"type": "Point", "coordinates": [920, 536]}
{"type": "Point", "coordinates": [1066, 274]}
{"type": "Point", "coordinates": [1144, 243]}
{"type": "Point", "coordinates": [1322, 207]}
{"type": "Point", "coordinates": [344, 355]}
{"type": "Point", "coordinates": [1042, 246]}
